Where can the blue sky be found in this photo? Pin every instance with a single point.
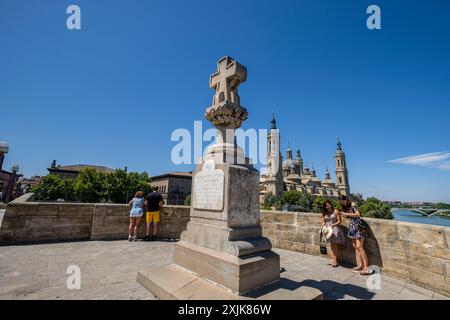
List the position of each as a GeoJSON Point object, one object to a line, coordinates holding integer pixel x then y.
{"type": "Point", "coordinates": [112, 93]}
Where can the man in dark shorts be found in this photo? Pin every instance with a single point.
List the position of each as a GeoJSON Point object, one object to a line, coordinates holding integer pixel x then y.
{"type": "Point", "coordinates": [154, 203]}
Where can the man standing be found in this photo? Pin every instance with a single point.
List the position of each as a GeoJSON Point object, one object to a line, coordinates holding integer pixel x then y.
{"type": "Point", "coordinates": [154, 203]}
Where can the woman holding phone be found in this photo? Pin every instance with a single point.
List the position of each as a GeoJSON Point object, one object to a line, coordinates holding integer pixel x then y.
{"type": "Point", "coordinates": [356, 234]}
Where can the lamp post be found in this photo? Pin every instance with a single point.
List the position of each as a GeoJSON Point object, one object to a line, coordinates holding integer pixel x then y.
{"type": "Point", "coordinates": [126, 179]}
{"type": "Point", "coordinates": [19, 188]}
{"type": "Point", "coordinates": [12, 181]}
{"type": "Point", "coordinates": [4, 148]}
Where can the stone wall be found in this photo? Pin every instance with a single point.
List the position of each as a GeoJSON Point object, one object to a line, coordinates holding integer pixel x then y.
{"type": "Point", "coordinates": [26, 221]}
{"type": "Point", "coordinates": [110, 221]}
{"type": "Point", "coordinates": [415, 252]}
{"type": "Point", "coordinates": [418, 253]}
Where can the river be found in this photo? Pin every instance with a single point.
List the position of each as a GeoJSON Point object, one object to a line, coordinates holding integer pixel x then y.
{"type": "Point", "coordinates": [410, 216]}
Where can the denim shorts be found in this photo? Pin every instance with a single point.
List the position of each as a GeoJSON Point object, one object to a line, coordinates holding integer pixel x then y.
{"type": "Point", "coordinates": [136, 212]}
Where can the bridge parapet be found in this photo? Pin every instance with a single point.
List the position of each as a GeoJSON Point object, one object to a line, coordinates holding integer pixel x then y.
{"type": "Point", "coordinates": [416, 252]}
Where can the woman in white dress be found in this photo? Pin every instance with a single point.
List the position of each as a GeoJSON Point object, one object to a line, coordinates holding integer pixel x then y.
{"type": "Point", "coordinates": [331, 218]}
{"type": "Point", "coordinates": [136, 213]}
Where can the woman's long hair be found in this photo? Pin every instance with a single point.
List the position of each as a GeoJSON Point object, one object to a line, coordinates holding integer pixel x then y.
{"type": "Point", "coordinates": [345, 204]}
{"type": "Point", "coordinates": [325, 210]}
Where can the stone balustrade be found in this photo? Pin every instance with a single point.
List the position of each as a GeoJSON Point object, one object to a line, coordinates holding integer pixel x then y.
{"type": "Point", "coordinates": [416, 252]}
{"type": "Point", "coordinates": [26, 221]}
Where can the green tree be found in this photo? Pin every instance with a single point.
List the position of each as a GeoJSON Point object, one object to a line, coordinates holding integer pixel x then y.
{"type": "Point", "coordinates": [187, 201]}
{"type": "Point", "coordinates": [375, 208]}
{"type": "Point", "coordinates": [293, 197]}
{"type": "Point", "coordinates": [270, 201]}
{"type": "Point", "coordinates": [121, 186]}
{"type": "Point", "coordinates": [442, 206]}
{"type": "Point", "coordinates": [318, 204]}
{"type": "Point", "coordinates": [138, 182]}
{"type": "Point", "coordinates": [91, 186]}
{"type": "Point", "coordinates": [306, 202]}
{"type": "Point", "coordinates": [53, 187]}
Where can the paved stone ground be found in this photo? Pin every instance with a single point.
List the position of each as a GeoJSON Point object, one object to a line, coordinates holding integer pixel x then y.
{"type": "Point", "coordinates": [109, 268]}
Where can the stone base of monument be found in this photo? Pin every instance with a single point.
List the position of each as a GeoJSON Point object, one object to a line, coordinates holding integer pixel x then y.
{"type": "Point", "coordinates": [173, 282]}
{"type": "Point", "coordinates": [239, 274]}
{"type": "Point", "coordinates": [222, 253]}
{"type": "Point", "coordinates": [223, 276]}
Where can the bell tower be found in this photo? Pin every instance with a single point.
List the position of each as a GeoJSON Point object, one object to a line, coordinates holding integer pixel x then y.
{"type": "Point", "coordinates": [299, 163]}
{"type": "Point", "coordinates": [341, 171]}
{"type": "Point", "coordinates": [274, 174]}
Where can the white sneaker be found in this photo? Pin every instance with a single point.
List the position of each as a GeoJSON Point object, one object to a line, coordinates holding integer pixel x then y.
{"type": "Point", "coordinates": [130, 238]}
{"type": "Point", "coordinates": [135, 238]}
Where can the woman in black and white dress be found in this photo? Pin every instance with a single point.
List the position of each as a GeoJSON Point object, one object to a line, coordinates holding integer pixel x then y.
{"type": "Point", "coordinates": [356, 234]}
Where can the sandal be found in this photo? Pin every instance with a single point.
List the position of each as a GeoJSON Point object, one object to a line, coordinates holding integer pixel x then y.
{"type": "Point", "coordinates": [357, 268]}
{"type": "Point", "coordinates": [367, 273]}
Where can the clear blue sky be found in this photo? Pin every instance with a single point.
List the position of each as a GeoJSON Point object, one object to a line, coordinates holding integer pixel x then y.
{"type": "Point", "coordinates": [112, 93]}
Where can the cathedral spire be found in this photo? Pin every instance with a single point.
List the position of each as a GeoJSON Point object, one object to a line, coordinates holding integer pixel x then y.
{"type": "Point", "coordinates": [338, 145]}
{"type": "Point", "coordinates": [273, 122]}
{"type": "Point", "coordinates": [327, 174]}
{"type": "Point", "coordinates": [289, 151]}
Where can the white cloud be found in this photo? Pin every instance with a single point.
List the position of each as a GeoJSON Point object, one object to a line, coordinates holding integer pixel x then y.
{"type": "Point", "coordinates": [437, 160]}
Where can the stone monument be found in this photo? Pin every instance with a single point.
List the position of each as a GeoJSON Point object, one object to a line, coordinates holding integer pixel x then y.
{"type": "Point", "coordinates": [223, 243]}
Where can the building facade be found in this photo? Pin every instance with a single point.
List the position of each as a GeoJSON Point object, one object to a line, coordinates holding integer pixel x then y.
{"type": "Point", "coordinates": [294, 174]}
{"type": "Point", "coordinates": [6, 182]}
{"type": "Point", "coordinates": [9, 180]}
{"type": "Point", "coordinates": [72, 171]}
{"type": "Point", "coordinates": [173, 186]}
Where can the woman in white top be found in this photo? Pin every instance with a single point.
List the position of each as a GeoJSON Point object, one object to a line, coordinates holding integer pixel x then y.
{"type": "Point", "coordinates": [136, 213]}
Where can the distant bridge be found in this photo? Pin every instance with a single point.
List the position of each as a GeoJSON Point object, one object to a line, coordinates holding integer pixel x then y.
{"type": "Point", "coordinates": [427, 212]}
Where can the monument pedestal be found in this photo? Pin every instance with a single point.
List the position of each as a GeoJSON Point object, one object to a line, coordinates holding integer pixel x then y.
{"type": "Point", "coordinates": [222, 253]}
{"type": "Point", "coordinates": [173, 282]}
{"type": "Point", "coordinates": [238, 274]}
{"type": "Point", "coordinates": [223, 242]}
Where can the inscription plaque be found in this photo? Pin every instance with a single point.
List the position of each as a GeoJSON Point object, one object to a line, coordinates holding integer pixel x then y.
{"type": "Point", "coordinates": [208, 188]}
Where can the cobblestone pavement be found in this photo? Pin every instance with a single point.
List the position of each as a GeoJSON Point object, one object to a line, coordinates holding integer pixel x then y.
{"type": "Point", "coordinates": [109, 268]}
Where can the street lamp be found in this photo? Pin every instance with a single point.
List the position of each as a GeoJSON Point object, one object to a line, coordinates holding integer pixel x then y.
{"type": "Point", "coordinates": [4, 148]}
{"type": "Point", "coordinates": [12, 181]}
{"type": "Point", "coordinates": [15, 168]}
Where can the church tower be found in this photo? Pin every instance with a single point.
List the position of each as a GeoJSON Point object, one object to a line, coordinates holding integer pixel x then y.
{"type": "Point", "coordinates": [341, 171]}
{"type": "Point", "coordinates": [288, 163]}
{"type": "Point", "coordinates": [274, 173]}
{"type": "Point", "coordinates": [298, 163]}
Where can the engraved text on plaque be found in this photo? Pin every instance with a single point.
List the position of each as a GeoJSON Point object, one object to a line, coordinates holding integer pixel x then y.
{"type": "Point", "coordinates": [208, 188]}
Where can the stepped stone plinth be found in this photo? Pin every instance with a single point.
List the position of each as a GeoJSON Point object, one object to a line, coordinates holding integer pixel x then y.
{"type": "Point", "coordinates": [223, 243]}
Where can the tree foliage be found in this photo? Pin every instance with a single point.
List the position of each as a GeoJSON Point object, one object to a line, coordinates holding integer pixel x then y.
{"type": "Point", "coordinates": [187, 201]}
{"type": "Point", "coordinates": [375, 208]}
{"type": "Point", "coordinates": [371, 207]}
{"type": "Point", "coordinates": [92, 186]}
{"type": "Point", "coordinates": [53, 187]}
{"type": "Point", "coordinates": [270, 201]}
{"type": "Point", "coordinates": [442, 206]}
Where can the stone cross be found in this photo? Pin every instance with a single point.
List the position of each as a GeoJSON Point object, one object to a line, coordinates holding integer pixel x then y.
{"type": "Point", "coordinates": [226, 81]}
{"type": "Point", "coordinates": [226, 110]}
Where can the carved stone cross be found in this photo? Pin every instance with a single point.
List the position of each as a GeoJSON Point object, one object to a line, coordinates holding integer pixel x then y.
{"type": "Point", "coordinates": [226, 81]}
{"type": "Point", "coordinates": [226, 110]}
